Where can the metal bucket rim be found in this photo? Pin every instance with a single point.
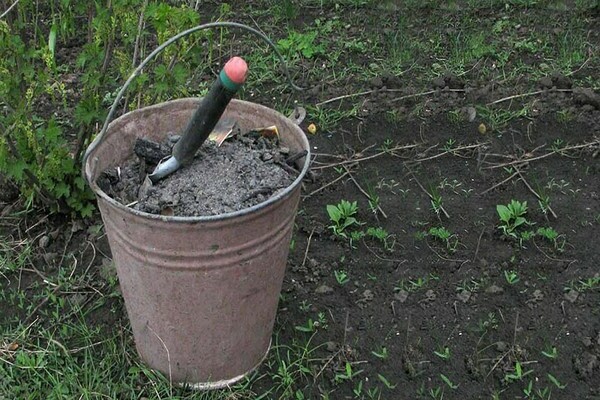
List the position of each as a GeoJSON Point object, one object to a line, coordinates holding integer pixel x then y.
{"type": "Point", "coordinates": [203, 218]}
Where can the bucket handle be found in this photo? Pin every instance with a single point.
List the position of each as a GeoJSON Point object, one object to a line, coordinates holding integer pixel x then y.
{"type": "Point", "coordinates": [159, 50]}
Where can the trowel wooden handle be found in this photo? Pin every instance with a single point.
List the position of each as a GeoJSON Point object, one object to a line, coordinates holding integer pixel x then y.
{"type": "Point", "coordinates": [230, 79]}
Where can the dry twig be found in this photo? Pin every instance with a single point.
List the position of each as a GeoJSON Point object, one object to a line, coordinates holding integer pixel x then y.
{"type": "Point", "coordinates": [364, 192]}
{"type": "Point", "coordinates": [428, 194]}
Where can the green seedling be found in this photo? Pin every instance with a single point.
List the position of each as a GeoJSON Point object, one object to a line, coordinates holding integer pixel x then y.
{"type": "Point", "coordinates": [528, 391]}
{"type": "Point", "coordinates": [443, 353]}
{"type": "Point", "coordinates": [448, 382]}
{"type": "Point", "coordinates": [436, 203]}
{"type": "Point", "coordinates": [371, 277]}
{"type": "Point", "coordinates": [355, 236]}
{"type": "Point", "coordinates": [557, 145]}
{"type": "Point", "coordinates": [449, 145]}
{"type": "Point", "coordinates": [357, 390]}
{"type": "Point", "coordinates": [374, 393]}
{"type": "Point", "coordinates": [342, 216]}
{"type": "Point", "coordinates": [511, 277]}
{"type": "Point", "coordinates": [525, 236]}
{"type": "Point", "coordinates": [518, 374]}
{"type": "Point", "coordinates": [381, 354]}
{"type": "Point", "coordinates": [305, 306]}
{"type": "Point", "coordinates": [556, 382]}
{"type": "Point", "coordinates": [387, 145]}
{"type": "Point", "coordinates": [512, 217]}
{"type": "Point", "coordinates": [383, 236]}
{"type": "Point", "coordinates": [386, 382]}
{"type": "Point", "coordinates": [436, 393]}
{"type": "Point", "coordinates": [551, 235]}
{"type": "Point", "coordinates": [309, 327]}
{"type": "Point", "coordinates": [550, 352]}
{"type": "Point", "coordinates": [341, 276]}
{"type": "Point", "coordinates": [347, 375]}
{"type": "Point", "coordinates": [445, 236]}
{"type": "Point", "coordinates": [321, 321]}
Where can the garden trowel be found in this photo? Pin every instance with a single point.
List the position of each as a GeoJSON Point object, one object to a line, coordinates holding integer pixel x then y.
{"type": "Point", "coordinates": [203, 122]}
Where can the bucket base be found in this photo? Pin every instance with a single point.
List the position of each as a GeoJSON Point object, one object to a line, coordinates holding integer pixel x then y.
{"type": "Point", "coordinates": [226, 382]}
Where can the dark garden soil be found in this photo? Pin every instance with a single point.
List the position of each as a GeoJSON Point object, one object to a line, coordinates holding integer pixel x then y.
{"type": "Point", "coordinates": [244, 171]}
{"type": "Point", "coordinates": [418, 298]}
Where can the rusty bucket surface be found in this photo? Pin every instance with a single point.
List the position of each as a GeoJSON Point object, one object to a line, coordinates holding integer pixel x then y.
{"type": "Point", "coordinates": [201, 292]}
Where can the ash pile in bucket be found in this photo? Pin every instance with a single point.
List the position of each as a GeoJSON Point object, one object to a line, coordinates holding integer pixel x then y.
{"type": "Point", "coordinates": [242, 172]}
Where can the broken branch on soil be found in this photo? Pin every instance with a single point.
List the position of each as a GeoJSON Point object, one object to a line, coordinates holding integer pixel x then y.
{"type": "Point", "coordinates": [552, 258]}
{"type": "Point", "coordinates": [409, 96]}
{"type": "Point", "coordinates": [453, 151]}
{"type": "Point", "coordinates": [478, 243]}
{"type": "Point", "coordinates": [307, 247]}
{"type": "Point", "coordinates": [9, 8]}
{"type": "Point", "coordinates": [326, 185]}
{"type": "Point", "coordinates": [517, 96]}
{"type": "Point", "coordinates": [428, 194]}
{"type": "Point", "coordinates": [527, 160]}
{"type": "Point", "coordinates": [499, 184]}
{"type": "Point", "coordinates": [462, 262]}
{"type": "Point", "coordinates": [383, 258]}
{"type": "Point", "coordinates": [356, 160]}
{"type": "Point", "coordinates": [364, 192]}
{"type": "Point", "coordinates": [535, 193]}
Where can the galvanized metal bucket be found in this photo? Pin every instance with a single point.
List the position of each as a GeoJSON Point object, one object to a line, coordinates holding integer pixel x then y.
{"type": "Point", "coordinates": [201, 292]}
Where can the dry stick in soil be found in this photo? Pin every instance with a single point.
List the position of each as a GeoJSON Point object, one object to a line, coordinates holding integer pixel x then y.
{"type": "Point", "coordinates": [307, 247]}
{"type": "Point", "coordinates": [326, 185]}
{"type": "Point", "coordinates": [527, 160]}
{"type": "Point", "coordinates": [383, 258]}
{"type": "Point", "coordinates": [552, 258]}
{"type": "Point", "coordinates": [334, 355]}
{"type": "Point", "coordinates": [507, 351]}
{"type": "Point", "coordinates": [499, 184]}
{"type": "Point", "coordinates": [472, 146]}
{"type": "Point", "coordinates": [478, 243]}
{"type": "Point", "coordinates": [517, 96]}
{"type": "Point", "coordinates": [356, 160]}
{"type": "Point", "coordinates": [535, 193]}
{"type": "Point", "coordinates": [462, 262]}
{"type": "Point", "coordinates": [428, 194]}
{"type": "Point", "coordinates": [364, 192]}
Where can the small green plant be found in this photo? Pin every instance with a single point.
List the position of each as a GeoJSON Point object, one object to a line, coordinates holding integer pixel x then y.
{"type": "Point", "coordinates": [341, 277]}
{"type": "Point", "coordinates": [511, 277]}
{"type": "Point", "coordinates": [556, 382]}
{"type": "Point", "coordinates": [443, 353]}
{"type": "Point", "coordinates": [518, 373]}
{"type": "Point", "coordinates": [525, 236]}
{"type": "Point", "coordinates": [448, 382]}
{"type": "Point", "coordinates": [436, 202]}
{"type": "Point", "coordinates": [307, 328]}
{"type": "Point", "coordinates": [342, 215]}
{"type": "Point", "coordinates": [381, 354]}
{"type": "Point", "coordinates": [512, 217]}
{"type": "Point", "coordinates": [550, 352]}
{"type": "Point", "coordinates": [355, 236]}
{"type": "Point", "coordinates": [551, 235]}
{"type": "Point", "coordinates": [347, 374]}
{"type": "Point", "coordinates": [386, 382]}
{"type": "Point", "coordinates": [387, 145]}
{"type": "Point", "coordinates": [301, 43]}
{"type": "Point", "coordinates": [383, 236]}
{"type": "Point", "coordinates": [445, 236]}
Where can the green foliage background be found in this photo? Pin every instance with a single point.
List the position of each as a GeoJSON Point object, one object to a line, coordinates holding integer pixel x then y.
{"type": "Point", "coordinates": [61, 63]}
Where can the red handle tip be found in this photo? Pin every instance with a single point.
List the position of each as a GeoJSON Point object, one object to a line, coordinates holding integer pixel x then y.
{"type": "Point", "coordinates": [236, 69]}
